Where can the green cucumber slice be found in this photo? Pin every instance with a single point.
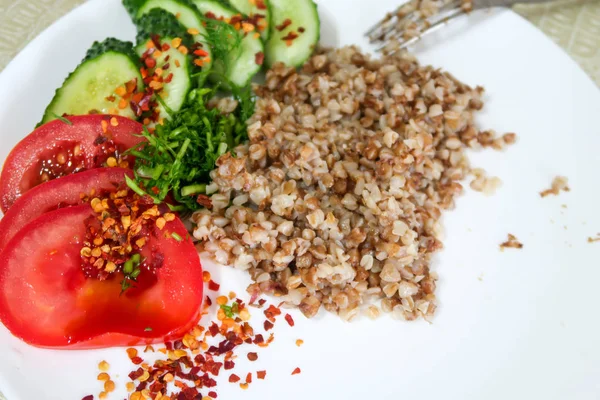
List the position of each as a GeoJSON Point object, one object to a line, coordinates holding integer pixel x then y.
{"type": "Point", "coordinates": [240, 65]}
{"type": "Point", "coordinates": [256, 9]}
{"type": "Point", "coordinates": [176, 66]}
{"type": "Point", "coordinates": [186, 14]}
{"type": "Point", "coordinates": [292, 17]}
{"type": "Point", "coordinates": [107, 66]}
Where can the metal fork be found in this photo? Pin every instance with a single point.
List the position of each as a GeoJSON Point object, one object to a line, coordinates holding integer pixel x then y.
{"type": "Point", "coordinates": [416, 18]}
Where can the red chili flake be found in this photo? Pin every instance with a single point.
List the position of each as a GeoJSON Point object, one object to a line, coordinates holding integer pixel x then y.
{"type": "Point", "coordinates": [111, 98]}
{"type": "Point", "coordinates": [289, 319]}
{"type": "Point", "coordinates": [165, 47]}
{"type": "Point", "coordinates": [290, 36]}
{"type": "Point", "coordinates": [296, 371]}
{"type": "Point", "coordinates": [133, 375]}
{"type": "Point", "coordinates": [301, 29]}
{"type": "Point", "coordinates": [249, 377]}
{"type": "Point", "coordinates": [131, 85]}
{"type": "Point", "coordinates": [212, 285]}
{"type": "Point", "coordinates": [137, 360]}
{"type": "Point", "coordinates": [287, 22]}
{"type": "Point", "coordinates": [208, 301]}
{"type": "Point", "coordinates": [268, 325]}
{"type": "Point", "coordinates": [252, 356]}
{"type": "Point", "coordinates": [200, 53]}
{"type": "Point", "coordinates": [212, 394]}
{"type": "Point", "coordinates": [210, 15]}
{"type": "Point", "coordinates": [261, 302]}
{"type": "Point", "coordinates": [233, 378]}
{"type": "Point", "coordinates": [169, 78]}
{"type": "Point", "coordinates": [88, 397]}
{"type": "Point", "coordinates": [259, 339]}
{"type": "Point", "coordinates": [228, 364]}
{"type": "Point", "coordinates": [259, 58]}
{"type": "Point", "coordinates": [261, 374]}
{"type": "Point", "coordinates": [156, 387]}
{"type": "Point", "coordinates": [213, 329]}
{"type": "Point", "coordinates": [272, 312]}
{"type": "Point", "coordinates": [166, 66]}
{"type": "Point", "coordinates": [150, 62]}
{"type": "Point", "coordinates": [260, 4]}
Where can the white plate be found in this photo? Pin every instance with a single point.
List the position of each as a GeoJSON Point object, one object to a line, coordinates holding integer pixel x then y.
{"type": "Point", "coordinates": [527, 329]}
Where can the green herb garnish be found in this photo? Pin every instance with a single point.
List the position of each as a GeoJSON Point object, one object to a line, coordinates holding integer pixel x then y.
{"type": "Point", "coordinates": [176, 236]}
{"type": "Point", "coordinates": [147, 329]}
{"type": "Point", "coordinates": [227, 310]}
{"type": "Point", "coordinates": [223, 40]}
{"type": "Point", "coordinates": [131, 271]}
{"type": "Point", "coordinates": [63, 119]}
{"type": "Point", "coordinates": [179, 155]}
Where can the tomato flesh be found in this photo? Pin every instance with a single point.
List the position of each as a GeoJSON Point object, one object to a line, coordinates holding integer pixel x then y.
{"type": "Point", "coordinates": [58, 149]}
{"type": "Point", "coordinates": [46, 300]}
{"type": "Point", "coordinates": [59, 193]}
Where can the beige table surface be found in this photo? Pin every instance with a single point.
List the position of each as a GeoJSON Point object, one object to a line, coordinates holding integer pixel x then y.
{"type": "Point", "coordinates": [573, 24]}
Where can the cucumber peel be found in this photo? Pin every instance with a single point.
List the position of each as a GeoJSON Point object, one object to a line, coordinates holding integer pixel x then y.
{"type": "Point", "coordinates": [92, 86]}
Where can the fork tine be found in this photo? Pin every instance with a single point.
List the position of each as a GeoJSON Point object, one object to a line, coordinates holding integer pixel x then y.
{"type": "Point", "coordinates": [400, 42]}
{"type": "Point", "coordinates": [381, 23]}
{"type": "Point", "coordinates": [388, 21]}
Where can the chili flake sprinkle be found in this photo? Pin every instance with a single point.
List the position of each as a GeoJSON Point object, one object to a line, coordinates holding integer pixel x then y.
{"type": "Point", "coordinates": [259, 58]}
{"type": "Point", "coordinates": [115, 236]}
{"type": "Point", "coordinates": [296, 371]}
{"type": "Point", "coordinates": [212, 285]}
{"type": "Point", "coordinates": [289, 319]}
{"type": "Point", "coordinates": [187, 366]}
{"type": "Point", "coordinates": [287, 22]}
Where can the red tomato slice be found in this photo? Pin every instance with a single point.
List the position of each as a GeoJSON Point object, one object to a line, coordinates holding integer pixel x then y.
{"type": "Point", "coordinates": [46, 300]}
{"type": "Point", "coordinates": [58, 149]}
{"type": "Point", "coordinates": [59, 193]}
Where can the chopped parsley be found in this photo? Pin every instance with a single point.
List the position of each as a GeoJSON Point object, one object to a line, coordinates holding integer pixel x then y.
{"type": "Point", "coordinates": [178, 156]}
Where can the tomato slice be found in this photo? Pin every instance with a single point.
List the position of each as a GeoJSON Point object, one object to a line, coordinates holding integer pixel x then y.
{"type": "Point", "coordinates": [67, 191]}
{"type": "Point", "coordinates": [46, 300]}
{"type": "Point", "coordinates": [58, 149]}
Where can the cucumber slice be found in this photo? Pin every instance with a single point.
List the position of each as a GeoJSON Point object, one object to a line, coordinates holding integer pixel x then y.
{"type": "Point", "coordinates": [92, 85]}
{"type": "Point", "coordinates": [240, 64]}
{"type": "Point", "coordinates": [257, 10]}
{"type": "Point", "coordinates": [186, 14]}
{"type": "Point", "coordinates": [160, 25]}
{"type": "Point", "coordinates": [288, 19]}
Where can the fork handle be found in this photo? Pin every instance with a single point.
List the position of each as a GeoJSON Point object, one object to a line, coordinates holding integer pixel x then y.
{"type": "Point", "coordinates": [480, 4]}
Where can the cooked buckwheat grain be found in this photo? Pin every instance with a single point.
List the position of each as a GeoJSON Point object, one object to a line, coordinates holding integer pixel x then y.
{"type": "Point", "coordinates": [336, 199]}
